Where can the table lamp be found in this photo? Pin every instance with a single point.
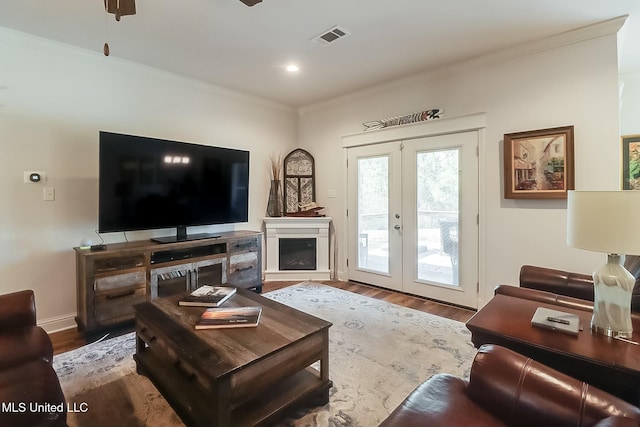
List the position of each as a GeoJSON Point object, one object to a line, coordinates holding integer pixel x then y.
{"type": "Point", "coordinates": [607, 221]}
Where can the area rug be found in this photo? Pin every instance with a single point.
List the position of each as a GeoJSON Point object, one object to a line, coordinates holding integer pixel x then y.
{"type": "Point", "coordinates": [379, 352]}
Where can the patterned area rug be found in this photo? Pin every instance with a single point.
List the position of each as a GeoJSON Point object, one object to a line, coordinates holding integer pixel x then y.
{"type": "Point", "coordinates": [379, 352]}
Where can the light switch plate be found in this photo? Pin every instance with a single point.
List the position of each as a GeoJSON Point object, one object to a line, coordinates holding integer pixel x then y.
{"type": "Point", "coordinates": [49, 194]}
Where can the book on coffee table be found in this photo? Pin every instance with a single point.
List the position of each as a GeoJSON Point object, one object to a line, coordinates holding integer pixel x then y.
{"type": "Point", "coordinates": [229, 317]}
{"type": "Point", "coordinates": [556, 320]}
{"type": "Point", "coordinates": [208, 296]}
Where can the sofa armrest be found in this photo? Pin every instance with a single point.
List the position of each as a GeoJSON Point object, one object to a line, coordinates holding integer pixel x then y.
{"type": "Point", "coordinates": [561, 282]}
{"type": "Point", "coordinates": [17, 310]}
{"type": "Point", "coordinates": [523, 392]}
{"type": "Point", "coordinates": [440, 401]}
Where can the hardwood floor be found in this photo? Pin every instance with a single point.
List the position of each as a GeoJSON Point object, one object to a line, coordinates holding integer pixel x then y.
{"type": "Point", "coordinates": [71, 339]}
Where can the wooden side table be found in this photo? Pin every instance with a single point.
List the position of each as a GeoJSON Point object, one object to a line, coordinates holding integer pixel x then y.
{"type": "Point", "coordinates": [609, 364]}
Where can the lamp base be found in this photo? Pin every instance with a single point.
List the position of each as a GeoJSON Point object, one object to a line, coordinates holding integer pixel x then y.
{"type": "Point", "coordinates": [609, 332]}
{"type": "Point", "coordinates": [613, 286]}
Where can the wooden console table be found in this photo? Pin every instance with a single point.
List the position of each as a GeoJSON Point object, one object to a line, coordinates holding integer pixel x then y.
{"type": "Point", "coordinates": [237, 376]}
{"type": "Point", "coordinates": [609, 364]}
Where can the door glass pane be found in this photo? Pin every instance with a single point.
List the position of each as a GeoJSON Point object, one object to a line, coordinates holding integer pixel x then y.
{"type": "Point", "coordinates": [438, 188]}
{"type": "Point", "coordinates": [373, 214]}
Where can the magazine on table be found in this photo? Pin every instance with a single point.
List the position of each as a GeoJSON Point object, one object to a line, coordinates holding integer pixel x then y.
{"type": "Point", "coordinates": [229, 317]}
{"type": "Point", "coordinates": [208, 296]}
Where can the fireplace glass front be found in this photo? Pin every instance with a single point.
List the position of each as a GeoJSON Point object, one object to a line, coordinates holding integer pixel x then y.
{"type": "Point", "coordinates": [297, 253]}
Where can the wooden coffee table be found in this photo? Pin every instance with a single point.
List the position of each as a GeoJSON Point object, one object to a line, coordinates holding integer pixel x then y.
{"type": "Point", "coordinates": [233, 377]}
{"type": "Point", "coordinates": [606, 363]}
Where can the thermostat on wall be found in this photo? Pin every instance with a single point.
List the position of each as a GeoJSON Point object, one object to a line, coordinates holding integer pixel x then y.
{"type": "Point", "coordinates": [33, 177]}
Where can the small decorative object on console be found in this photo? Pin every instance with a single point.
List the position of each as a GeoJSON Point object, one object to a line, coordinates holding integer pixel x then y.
{"type": "Point", "coordinates": [229, 317]}
{"type": "Point", "coordinates": [308, 209]}
{"type": "Point", "coordinates": [208, 296]}
{"type": "Point", "coordinates": [556, 320]}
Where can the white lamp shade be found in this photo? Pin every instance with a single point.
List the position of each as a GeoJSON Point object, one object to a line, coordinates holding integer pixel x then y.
{"type": "Point", "coordinates": [604, 221]}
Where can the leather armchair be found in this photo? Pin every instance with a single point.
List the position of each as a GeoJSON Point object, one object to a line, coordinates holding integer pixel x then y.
{"type": "Point", "coordinates": [576, 285]}
{"type": "Point", "coordinates": [508, 389]}
{"type": "Point", "coordinates": [21, 339]}
{"type": "Point", "coordinates": [26, 374]}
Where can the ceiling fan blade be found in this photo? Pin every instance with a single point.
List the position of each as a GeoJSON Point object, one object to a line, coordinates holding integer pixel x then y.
{"type": "Point", "coordinates": [122, 7]}
{"type": "Point", "coordinates": [251, 2]}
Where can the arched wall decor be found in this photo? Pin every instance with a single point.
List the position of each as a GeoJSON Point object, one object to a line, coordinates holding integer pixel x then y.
{"type": "Point", "coordinates": [299, 180]}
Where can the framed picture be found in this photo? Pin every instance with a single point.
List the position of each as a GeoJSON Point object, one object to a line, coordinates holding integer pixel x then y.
{"type": "Point", "coordinates": [630, 162]}
{"type": "Point", "coordinates": [538, 164]}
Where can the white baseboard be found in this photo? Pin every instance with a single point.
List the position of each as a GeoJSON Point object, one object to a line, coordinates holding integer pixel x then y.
{"type": "Point", "coordinates": [59, 323]}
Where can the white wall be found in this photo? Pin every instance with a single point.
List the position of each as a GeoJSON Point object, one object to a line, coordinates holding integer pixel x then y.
{"type": "Point", "coordinates": [559, 84]}
{"type": "Point", "coordinates": [54, 99]}
{"type": "Point", "coordinates": [630, 104]}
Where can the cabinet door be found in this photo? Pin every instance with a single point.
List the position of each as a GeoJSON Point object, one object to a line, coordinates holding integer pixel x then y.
{"type": "Point", "coordinates": [212, 272]}
{"type": "Point", "coordinates": [171, 280]}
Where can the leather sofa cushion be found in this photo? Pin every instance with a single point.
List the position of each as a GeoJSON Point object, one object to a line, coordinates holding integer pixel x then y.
{"type": "Point", "coordinates": [24, 344]}
{"type": "Point", "coordinates": [557, 281]}
{"type": "Point", "coordinates": [441, 401]}
{"type": "Point", "coordinates": [33, 382]}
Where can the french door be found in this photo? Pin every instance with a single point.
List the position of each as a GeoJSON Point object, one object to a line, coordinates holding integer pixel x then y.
{"type": "Point", "coordinates": [375, 214]}
{"type": "Point", "coordinates": [412, 216]}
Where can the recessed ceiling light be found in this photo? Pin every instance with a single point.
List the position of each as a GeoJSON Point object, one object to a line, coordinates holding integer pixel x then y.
{"type": "Point", "coordinates": [292, 68]}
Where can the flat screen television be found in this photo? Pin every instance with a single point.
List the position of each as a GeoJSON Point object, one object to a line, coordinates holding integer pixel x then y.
{"type": "Point", "coordinates": [148, 183]}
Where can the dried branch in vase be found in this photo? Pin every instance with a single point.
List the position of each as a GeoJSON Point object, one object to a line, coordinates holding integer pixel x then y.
{"type": "Point", "coordinates": [276, 166]}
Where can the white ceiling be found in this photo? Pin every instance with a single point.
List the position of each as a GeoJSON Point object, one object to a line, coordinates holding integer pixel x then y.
{"type": "Point", "coordinates": [229, 44]}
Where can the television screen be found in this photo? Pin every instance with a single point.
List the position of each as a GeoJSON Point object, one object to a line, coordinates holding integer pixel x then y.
{"type": "Point", "coordinates": [148, 183]}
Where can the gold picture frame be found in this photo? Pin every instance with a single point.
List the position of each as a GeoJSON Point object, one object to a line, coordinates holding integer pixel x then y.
{"type": "Point", "coordinates": [630, 159]}
{"type": "Point", "coordinates": [539, 164]}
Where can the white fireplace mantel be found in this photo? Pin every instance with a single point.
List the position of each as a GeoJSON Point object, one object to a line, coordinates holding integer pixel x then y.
{"type": "Point", "coordinates": [291, 228]}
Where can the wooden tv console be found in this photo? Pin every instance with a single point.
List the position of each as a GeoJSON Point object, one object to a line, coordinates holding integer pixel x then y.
{"type": "Point", "coordinates": [109, 282]}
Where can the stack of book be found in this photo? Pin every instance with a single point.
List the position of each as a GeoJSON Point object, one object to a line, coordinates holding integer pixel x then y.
{"type": "Point", "coordinates": [229, 317]}
{"type": "Point", "coordinates": [215, 317]}
{"type": "Point", "coordinates": [208, 296]}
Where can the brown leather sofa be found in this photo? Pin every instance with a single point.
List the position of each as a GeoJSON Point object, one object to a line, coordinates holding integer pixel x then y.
{"type": "Point", "coordinates": [508, 389]}
{"type": "Point", "coordinates": [30, 394]}
{"type": "Point", "coordinates": [575, 285]}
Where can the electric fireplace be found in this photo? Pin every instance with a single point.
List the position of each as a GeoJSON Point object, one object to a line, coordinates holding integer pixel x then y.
{"type": "Point", "coordinates": [297, 248]}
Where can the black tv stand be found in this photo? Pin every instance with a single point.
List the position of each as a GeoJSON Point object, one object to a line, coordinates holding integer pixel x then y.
{"type": "Point", "coordinates": [185, 238]}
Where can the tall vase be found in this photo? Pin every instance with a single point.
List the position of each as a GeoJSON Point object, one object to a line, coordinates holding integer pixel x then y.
{"type": "Point", "coordinates": [274, 207]}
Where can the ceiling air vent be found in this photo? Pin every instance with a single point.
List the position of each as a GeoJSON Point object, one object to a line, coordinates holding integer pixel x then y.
{"type": "Point", "coordinates": [331, 35]}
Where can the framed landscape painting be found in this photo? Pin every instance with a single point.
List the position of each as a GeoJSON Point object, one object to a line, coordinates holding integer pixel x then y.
{"type": "Point", "coordinates": [630, 162]}
{"type": "Point", "coordinates": [539, 164]}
